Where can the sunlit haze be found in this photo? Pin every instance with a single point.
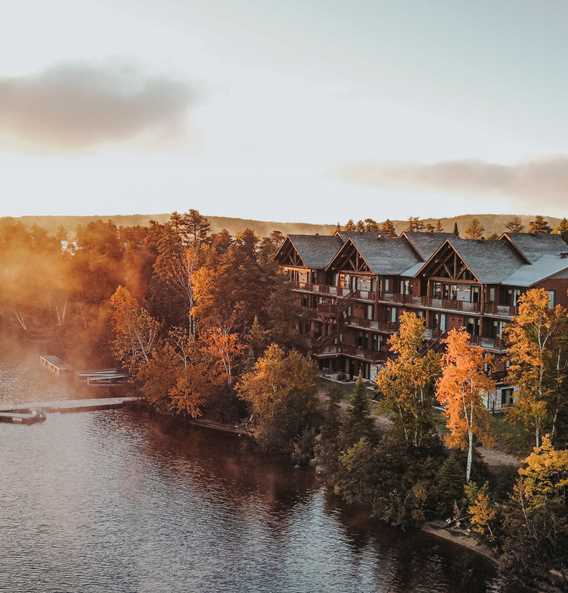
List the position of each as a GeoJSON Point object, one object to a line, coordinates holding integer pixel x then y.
{"type": "Point", "coordinates": [307, 111]}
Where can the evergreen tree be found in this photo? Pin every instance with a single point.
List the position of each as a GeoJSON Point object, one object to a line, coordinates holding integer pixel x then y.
{"type": "Point", "coordinates": [563, 229]}
{"type": "Point", "coordinates": [359, 422]}
{"type": "Point", "coordinates": [388, 229]}
{"type": "Point", "coordinates": [514, 226]}
{"type": "Point", "coordinates": [539, 226]}
{"type": "Point", "coordinates": [474, 230]}
{"type": "Point", "coordinates": [456, 230]}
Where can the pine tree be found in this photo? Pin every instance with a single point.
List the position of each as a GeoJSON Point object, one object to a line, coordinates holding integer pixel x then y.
{"type": "Point", "coordinates": [350, 226]}
{"type": "Point", "coordinates": [439, 227]}
{"type": "Point", "coordinates": [474, 230]}
{"type": "Point", "coordinates": [456, 230]}
{"type": "Point", "coordinates": [539, 226]}
{"type": "Point", "coordinates": [563, 229]}
{"type": "Point", "coordinates": [359, 422]}
{"type": "Point", "coordinates": [388, 229]}
{"type": "Point", "coordinates": [514, 226]}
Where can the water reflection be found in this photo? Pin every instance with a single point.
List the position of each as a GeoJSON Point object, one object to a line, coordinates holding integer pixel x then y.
{"type": "Point", "coordinates": [121, 501]}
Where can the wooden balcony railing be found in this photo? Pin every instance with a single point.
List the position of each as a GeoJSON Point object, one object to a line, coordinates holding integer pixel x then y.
{"type": "Point", "coordinates": [504, 310]}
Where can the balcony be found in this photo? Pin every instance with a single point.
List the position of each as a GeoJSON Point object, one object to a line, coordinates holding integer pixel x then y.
{"type": "Point", "coordinates": [489, 343]}
{"type": "Point", "coordinates": [501, 310]}
{"type": "Point", "coordinates": [381, 326]}
{"type": "Point", "coordinates": [333, 350]}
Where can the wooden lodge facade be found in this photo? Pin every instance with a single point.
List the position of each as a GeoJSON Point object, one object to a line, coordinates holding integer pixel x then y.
{"type": "Point", "coordinates": [353, 288]}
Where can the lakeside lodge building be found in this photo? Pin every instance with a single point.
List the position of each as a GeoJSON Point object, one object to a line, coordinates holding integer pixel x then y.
{"type": "Point", "coordinates": [353, 287]}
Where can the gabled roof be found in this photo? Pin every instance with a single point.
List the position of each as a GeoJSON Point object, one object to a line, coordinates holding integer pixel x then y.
{"type": "Point", "coordinates": [533, 247]}
{"type": "Point", "coordinates": [383, 255]}
{"type": "Point", "coordinates": [489, 261]}
{"type": "Point", "coordinates": [541, 269]}
{"type": "Point", "coordinates": [315, 251]}
{"type": "Point", "coordinates": [425, 244]}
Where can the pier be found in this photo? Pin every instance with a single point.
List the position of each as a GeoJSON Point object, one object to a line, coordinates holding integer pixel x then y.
{"type": "Point", "coordinates": [54, 365]}
{"type": "Point", "coordinates": [35, 412]}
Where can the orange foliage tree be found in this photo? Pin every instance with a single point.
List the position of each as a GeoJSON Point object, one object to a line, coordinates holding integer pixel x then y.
{"type": "Point", "coordinates": [460, 390]}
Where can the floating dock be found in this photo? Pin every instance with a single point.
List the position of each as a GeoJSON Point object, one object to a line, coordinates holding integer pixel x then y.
{"type": "Point", "coordinates": [31, 417]}
{"type": "Point", "coordinates": [95, 378]}
{"type": "Point", "coordinates": [63, 406]}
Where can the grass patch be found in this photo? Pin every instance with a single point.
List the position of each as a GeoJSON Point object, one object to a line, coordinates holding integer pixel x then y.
{"type": "Point", "coordinates": [510, 438]}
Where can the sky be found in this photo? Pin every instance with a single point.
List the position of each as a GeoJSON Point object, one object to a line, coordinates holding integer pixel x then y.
{"type": "Point", "coordinates": [313, 111]}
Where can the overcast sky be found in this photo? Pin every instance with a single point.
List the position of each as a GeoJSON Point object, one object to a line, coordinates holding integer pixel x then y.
{"type": "Point", "coordinates": [290, 110]}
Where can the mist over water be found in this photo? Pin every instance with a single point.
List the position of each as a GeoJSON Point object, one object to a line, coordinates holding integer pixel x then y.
{"type": "Point", "coordinates": [121, 501]}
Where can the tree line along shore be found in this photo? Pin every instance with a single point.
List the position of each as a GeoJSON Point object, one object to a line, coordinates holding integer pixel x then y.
{"type": "Point", "coordinates": [206, 327]}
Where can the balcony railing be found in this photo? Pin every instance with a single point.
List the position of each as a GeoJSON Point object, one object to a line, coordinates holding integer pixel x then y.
{"type": "Point", "coordinates": [502, 310]}
{"type": "Point", "coordinates": [407, 299]}
{"type": "Point", "coordinates": [384, 326]}
{"type": "Point", "coordinates": [484, 342]}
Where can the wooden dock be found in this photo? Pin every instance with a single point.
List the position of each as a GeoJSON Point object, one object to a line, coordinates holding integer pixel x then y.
{"type": "Point", "coordinates": [54, 365]}
{"type": "Point", "coordinates": [67, 405]}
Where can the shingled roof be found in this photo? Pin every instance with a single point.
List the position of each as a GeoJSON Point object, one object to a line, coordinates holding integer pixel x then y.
{"type": "Point", "coordinates": [425, 244]}
{"type": "Point", "coordinates": [489, 261]}
{"type": "Point", "coordinates": [315, 251]}
{"type": "Point", "coordinates": [533, 247]}
{"type": "Point", "coordinates": [384, 255]}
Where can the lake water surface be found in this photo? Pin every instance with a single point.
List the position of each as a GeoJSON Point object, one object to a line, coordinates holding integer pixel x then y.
{"type": "Point", "coordinates": [122, 502]}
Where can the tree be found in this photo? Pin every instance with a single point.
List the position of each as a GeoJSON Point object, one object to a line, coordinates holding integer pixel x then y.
{"type": "Point", "coordinates": [539, 226]}
{"type": "Point", "coordinates": [360, 226]}
{"type": "Point", "coordinates": [407, 379]}
{"type": "Point", "coordinates": [226, 350]}
{"type": "Point", "coordinates": [460, 390]}
{"type": "Point", "coordinates": [535, 520]}
{"type": "Point", "coordinates": [359, 423]}
{"type": "Point", "coordinates": [371, 226]}
{"type": "Point", "coordinates": [439, 227]}
{"type": "Point", "coordinates": [538, 355]}
{"type": "Point", "coordinates": [481, 511]}
{"type": "Point", "coordinates": [474, 230]}
{"type": "Point", "coordinates": [350, 226]}
{"type": "Point", "coordinates": [415, 225]}
{"type": "Point", "coordinates": [135, 331]}
{"type": "Point", "coordinates": [281, 393]}
{"type": "Point", "coordinates": [430, 228]}
{"type": "Point", "coordinates": [388, 229]}
{"type": "Point", "coordinates": [514, 226]}
{"type": "Point", "coordinates": [456, 230]}
{"type": "Point", "coordinates": [562, 229]}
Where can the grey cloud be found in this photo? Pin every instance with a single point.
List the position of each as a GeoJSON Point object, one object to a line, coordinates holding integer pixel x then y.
{"type": "Point", "coordinates": [543, 179]}
{"type": "Point", "coordinates": [80, 105]}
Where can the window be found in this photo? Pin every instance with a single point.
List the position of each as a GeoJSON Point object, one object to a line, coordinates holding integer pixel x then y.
{"type": "Point", "coordinates": [491, 295]}
{"type": "Point", "coordinates": [405, 286]}
{"type": "Point", "coordinates": [387, 285]}
{"type": "Point", "coordinates": [375, 342]}
{"type": "Point", "coordinates": [369, 312]}
{"type": "Point", "coordinates": [551, 298]}
{"type": "Point", "coordinates": [506, 396]}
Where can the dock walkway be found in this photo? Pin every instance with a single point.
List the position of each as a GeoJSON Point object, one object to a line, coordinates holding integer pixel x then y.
{"type": "Point", "coordinates": [67, 405]}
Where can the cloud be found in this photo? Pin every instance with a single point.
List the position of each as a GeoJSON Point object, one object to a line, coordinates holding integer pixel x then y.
{"type": "Point", "coordinates": [544, 179]}
{"type": "Point", "coordinates": [74, 106]}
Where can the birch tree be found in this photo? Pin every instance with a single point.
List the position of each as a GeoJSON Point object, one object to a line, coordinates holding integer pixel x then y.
{"type": "Point", "coordinates": [460, 390]}
{"type": "Point", "coordinates": [538, 355]}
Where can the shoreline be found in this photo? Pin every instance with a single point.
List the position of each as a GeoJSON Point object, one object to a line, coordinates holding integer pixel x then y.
{"type": "Point", "coordinates": [435, 528]}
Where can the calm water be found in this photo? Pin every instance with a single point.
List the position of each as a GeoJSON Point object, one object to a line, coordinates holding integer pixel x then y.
{"type": "Point", "coordinates": [119, 502]}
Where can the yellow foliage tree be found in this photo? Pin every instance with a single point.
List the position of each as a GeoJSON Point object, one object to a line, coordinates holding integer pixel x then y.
{"type": "Point", "coordinates": [538, 355]}
{"type": "Point", "coordinates": [460, 390]}
{"type": "Point", "coordinates": [544, 473]}
{"type": "Point", "coordinates": [406, 380]}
